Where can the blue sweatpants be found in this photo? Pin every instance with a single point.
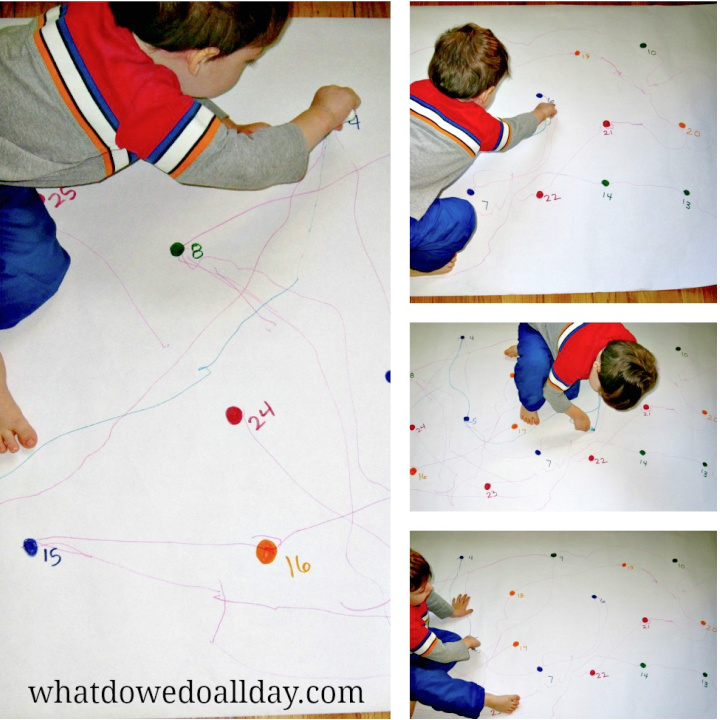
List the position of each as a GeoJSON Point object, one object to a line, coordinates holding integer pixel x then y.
{"type": "Point", "coordinates": [533, 368]}
{"type": "Point", "coordinates": [442, 231]}
{"type": "Point", "coordinates": [32, 262]}
{"type": "Point", "coordinates": [431, 685]}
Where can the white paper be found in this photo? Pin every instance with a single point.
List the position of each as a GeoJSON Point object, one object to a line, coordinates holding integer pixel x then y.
{"type": "Point", "coordinates": [584, 625]}
{"type": "Point", "coordinates": [155, 503]}
{"type": "Point", "coordinates": [641, 231]}
{"type": "Point", "coordinates": [470, 450]}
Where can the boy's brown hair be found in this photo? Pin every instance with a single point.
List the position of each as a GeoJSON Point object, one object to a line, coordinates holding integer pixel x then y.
{"type": "Point", "coordinates": [627, 372]}
{"type": "Point", "coordinates": [178, 26]}
{"type": "Point", "coordinates": [420, 571]}
{"type": "Point", "coordinates": [467, 61]}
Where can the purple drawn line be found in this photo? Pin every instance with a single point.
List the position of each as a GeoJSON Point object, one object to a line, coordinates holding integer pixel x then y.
{"type": "Point", "coordinates": [292, 196]}
{"type": "Point", "coordinates": [222, 617]}
{"type": "Point", "coordinates": [357, 228]}
{"type": "Point", "coordinates": [373, 607]}
{"type": "Point", "coordinates": [302, 608]}
{"type": "Point", "coordinates": [122, 284]}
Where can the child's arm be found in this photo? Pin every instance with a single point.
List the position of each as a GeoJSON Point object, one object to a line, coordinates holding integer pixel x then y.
{"type": "Point", "coordinates": [329, 108]}
{"type": "Point", "coordinates": [579, 418]}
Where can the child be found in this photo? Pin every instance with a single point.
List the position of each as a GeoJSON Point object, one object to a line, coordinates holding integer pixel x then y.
{"type": "Point", "coordinates": [434, 652]}
{"type": "Point", "coordinates": [554, 357]}
{"type": "Point", "coordinates": [449, 126]}
{"type": "Point", "coordinates": [89, 88]}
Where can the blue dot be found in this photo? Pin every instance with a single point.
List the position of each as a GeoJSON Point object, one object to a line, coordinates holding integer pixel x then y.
{"type": "Point", "coordinates": [387, 376]}
{"type": "Point", "coordinates": [538, 95]}
{"type": "Point", "coordinates": [462, 337]}
{"type": "Point", "coordinates": [539, 669]}
{"type": "Point", "coordinates": [470, 191]}
{"type": "Point", "coordinates": [466, 418]}
{"type": "Point", "coordinates": [537, 452]}
{"type": "Point", "coordinates": [31, 547]}
{"type": "Point", "coordinates": [462, 556]}
{"type": "Point", "coordinates": [594, 597]}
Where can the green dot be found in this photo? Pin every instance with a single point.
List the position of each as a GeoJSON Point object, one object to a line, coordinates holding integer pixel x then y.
{"type": "Point", "coordinates": [642, 665]}
{"type": "Point", "coordinates": [605, 182]}
{"type": "Point", "coordinates": [642, 452]}
{"type": "Point", "coordinates": [704, 464]}
{"type": "Point", "coordinates": [177, 249]}
{"type": "Point", "coordinates": [643, 45]}
{"type": "Point", "coordinates": [686, 192]}
{"type": "Point", "coordinates": [553, 554]}
{"type": "Point", "coordinates": [704, 674]}
{"type": "Point", "coordinates": [674, 559]}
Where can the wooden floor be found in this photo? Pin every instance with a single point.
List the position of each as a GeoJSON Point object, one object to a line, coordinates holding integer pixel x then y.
{"type": "Point", "coordinates": [690, 295]}
{"type": "Point", "coordinates": [299, 9]}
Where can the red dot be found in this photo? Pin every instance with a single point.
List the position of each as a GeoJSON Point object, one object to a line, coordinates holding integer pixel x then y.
{"type": "Point", "coordinates": [591, 458]}
{"type": "Point", "coordinates": [606, 123]}
{"type": "Point", "coordinates": [516, 643]}
{"type": "Point", "coordinates": [512, 592]}
{"type": "Point", "coordinates": [539, 194]}
{"type": "Point", "coordinates": [514, 426]}
{"type": "Point", "coordinates": [412, 427]}
{"type": "Point", "coordinates": [682, 125]}
{"type": "Point", "coordinates": [702, 622]}
{"type": "Point", "coordinates": [234, 415]}
{"type": "Point", "coordinates": [704, 412]}
{"type": "Point", "coordinates": [592, 672]}
{"type": "Point", "coordinates": [646, 407]}
{"type": "Point", "coordinates": [624, 564]}
{"type": "Point", "coordinates": [577, 52]}
{"type": "Point", "coordinates": [413, 471]}
{"type": "Point", "coordinates": [645, 620]}
{"type": "Point", "coordinates": [488, 486]}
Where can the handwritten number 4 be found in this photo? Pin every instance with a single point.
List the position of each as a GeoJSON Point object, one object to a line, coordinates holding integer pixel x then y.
{"type": "Point", "coordinates": [263, 413]}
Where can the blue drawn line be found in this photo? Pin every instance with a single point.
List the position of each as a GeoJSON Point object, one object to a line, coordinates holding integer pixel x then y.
{"type": "Point", "coordinates": [457, 355]}
{"type": "Point", "coordinates": [545, 125]}
{"type": "Point", "coordinates": [162, 402]}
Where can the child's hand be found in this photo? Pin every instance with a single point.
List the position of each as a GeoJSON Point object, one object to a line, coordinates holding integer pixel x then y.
{"type": "Point", "coordinates": [329, 108]}
{"type": "Point", "coordinates": [460, 603]}
{"type": "Point", "coordinates": [471, 642]}
{"type": "Point", "coordinates": [544, 111]}
{"type": "Point", "coordinates": [579, 418]}
{"type": "Point", "coordinates": [337, 101]}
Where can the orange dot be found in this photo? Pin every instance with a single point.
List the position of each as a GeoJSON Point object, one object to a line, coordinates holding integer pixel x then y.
{"type": "Point", "coordinates": [682, 125]}
{"type": "Point", "coordinates": [516, 644]}
{"type": "Point", "coordinates": [266, 551]}
{"type": "Point", "coordinates": [413, 471]}
{"type": "Point", "coordinates": [514, 426]}
{"type": "Point", "coordinates": [512, 374]}
{"type": "Point", "coordinates": [512, 592]}
{"type": "Point", "coordinates": [704, 412]}
{"type": "Point", "coordinates": [577, 52]}
{"type": "Point", "coordinates": [702, 622]}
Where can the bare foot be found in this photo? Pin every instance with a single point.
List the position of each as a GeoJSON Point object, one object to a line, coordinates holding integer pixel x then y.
{"type": "Point", "coordinates": [15, 430]}
{"type": "Point", "coordinates": [531, 417]}
{"type": "Point", "coordinates": [440, 271]}
{"type": "Point", "coordinates": [512, 351]}
{"type": "Point", "coordinates": [502, 703]}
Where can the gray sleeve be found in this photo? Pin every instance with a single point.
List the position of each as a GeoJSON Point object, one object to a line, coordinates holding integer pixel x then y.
{"type": "Point", "coordinates": [521, 127]}
{"type": "Point", "coordinates": [445, 652]}
{"type": "Point", "coordinates": [439, 606]}
{"type": "Point", "coordinates": [558, 401]}
{"type": "Point", "coordinates": [235, 161]}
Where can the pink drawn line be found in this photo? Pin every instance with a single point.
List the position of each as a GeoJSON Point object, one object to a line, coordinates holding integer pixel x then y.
{"type": "Point", "coordinates": [290, 197]}
{"type": "Point", "coordinates": [124, 287]}
{"type": "Point", "coordinates": [222, 617]}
